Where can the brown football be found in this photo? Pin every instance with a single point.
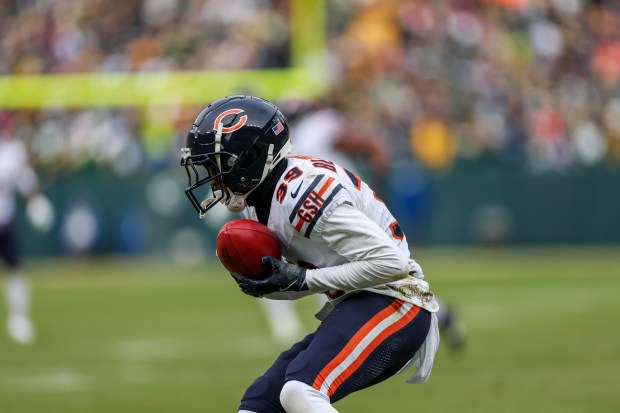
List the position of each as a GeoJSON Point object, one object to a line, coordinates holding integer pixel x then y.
{"type": "Point", "coordinates": [242, 243]}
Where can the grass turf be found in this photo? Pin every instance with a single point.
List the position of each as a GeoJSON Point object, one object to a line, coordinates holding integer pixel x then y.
{"type": "Point", "coordinates": [146, 336]}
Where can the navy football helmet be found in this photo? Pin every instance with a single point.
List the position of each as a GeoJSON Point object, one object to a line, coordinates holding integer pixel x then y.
{"type": "Point", "coordinates": [233, 145]}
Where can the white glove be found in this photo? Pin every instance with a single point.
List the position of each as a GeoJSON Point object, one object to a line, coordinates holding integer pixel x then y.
{"type": "Point", "coordinates": [40, 212]}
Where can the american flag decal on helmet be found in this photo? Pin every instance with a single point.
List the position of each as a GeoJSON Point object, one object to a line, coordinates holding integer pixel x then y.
{"type": "Point", "coordinates": [278, 128]}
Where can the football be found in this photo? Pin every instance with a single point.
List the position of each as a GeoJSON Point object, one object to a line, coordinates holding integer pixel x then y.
{"type": "Point", "coordinates": [242, 243]}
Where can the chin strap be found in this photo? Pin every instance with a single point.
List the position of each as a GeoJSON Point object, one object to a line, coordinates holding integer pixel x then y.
{"type": "Point", "coordinates": [268, 163]}
{"type": "Point", "coordinates": [218, 144]}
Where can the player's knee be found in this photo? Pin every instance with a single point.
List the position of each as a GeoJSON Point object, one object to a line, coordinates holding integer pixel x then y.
{"type": "Point", "coordinates": [290, 391]}
{"type": "Point", "coordinates": [299, 397]}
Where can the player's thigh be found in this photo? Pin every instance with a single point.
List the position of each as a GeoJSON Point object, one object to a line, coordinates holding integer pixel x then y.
{"type": "Point", "coordinates": [263, 395]}
{"type": "Point", "coordinates": [366, 339]}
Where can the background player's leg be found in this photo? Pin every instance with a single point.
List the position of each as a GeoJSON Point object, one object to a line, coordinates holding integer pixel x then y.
{"type": "Point", "coordinates": [284, 323]}
{"type": "Point", "coordinates": [450, 325]}
{"type": "Point", "coordinates": [17, 292]}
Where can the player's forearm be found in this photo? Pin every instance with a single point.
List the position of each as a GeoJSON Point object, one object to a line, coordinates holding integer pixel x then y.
{"type": "Point", "coordinates": [374, 258]}
{"type": "Point", "coordinates": [355, 275]}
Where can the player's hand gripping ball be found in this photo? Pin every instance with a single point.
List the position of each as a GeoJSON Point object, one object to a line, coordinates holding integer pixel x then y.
{"type": "Point", "coordinates": [242, 243]}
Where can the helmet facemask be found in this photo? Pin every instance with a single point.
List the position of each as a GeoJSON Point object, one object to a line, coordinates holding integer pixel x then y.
{"type": "Point", "coordinates": [201, 170]}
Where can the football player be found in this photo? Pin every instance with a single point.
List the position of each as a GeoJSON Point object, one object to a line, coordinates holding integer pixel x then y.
{"type": "Point", "coordinates": [338, 238]}
{"type": "Point", "coordinates": [17, 174]}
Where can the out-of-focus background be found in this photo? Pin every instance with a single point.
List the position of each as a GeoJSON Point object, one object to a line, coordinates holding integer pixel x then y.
{"type": "Point", "coordinates": [500, 120]}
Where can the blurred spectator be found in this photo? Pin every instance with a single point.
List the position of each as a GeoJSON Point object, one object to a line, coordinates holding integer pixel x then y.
{"type": "Point", "coordinates": [531, 83]}
{"type": "Point", "coordinates": [432, 143]}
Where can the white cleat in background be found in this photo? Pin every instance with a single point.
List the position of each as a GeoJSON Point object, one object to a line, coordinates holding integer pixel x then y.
{"type": "Point", "coordinates": [21, 329]}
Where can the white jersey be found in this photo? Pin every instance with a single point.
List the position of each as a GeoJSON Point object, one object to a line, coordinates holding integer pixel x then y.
{"type": "Point", "coordinates": [15, 173]}
{"type": "Point", "coordinates": [328, 220]}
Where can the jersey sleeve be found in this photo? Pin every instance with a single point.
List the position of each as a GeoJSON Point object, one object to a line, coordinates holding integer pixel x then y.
{"type": "Point", "coordinates": [374, 258]}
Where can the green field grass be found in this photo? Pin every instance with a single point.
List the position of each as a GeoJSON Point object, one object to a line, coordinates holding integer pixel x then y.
{"type": "Point", "coordinates": [146, 336]}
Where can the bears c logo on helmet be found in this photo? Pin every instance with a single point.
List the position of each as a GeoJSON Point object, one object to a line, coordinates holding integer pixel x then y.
{"type": "Point", "coordinates": [234, 127]}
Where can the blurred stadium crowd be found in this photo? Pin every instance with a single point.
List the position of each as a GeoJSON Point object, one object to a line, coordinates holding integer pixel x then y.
{"type": "Point", "coordinates": [535, 82]}
{"type": "Point", "coordinates": [61, 37]}
{"type": "Point", "coordinates": [526, 81]}
{"type": "Point", "coordinates": [530, 83]}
